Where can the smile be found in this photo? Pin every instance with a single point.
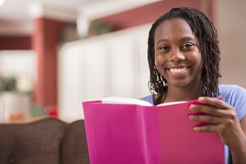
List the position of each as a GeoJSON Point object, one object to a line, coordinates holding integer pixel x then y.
{"type": "Point", "coordinates": [178, 70]}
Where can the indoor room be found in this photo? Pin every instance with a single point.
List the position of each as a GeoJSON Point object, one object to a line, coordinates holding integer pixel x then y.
{"type": "Point", "coordinates": [56, 54]}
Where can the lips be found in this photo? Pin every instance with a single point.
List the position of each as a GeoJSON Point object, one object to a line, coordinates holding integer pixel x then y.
{"type": "Point", "coordinates": [178, 69]}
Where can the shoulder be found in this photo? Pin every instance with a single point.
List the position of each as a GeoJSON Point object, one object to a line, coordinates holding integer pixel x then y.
{"type": "Point", "coordinates": [235, 96]}
{"type": "Point", "coordinates": [229, 88]}
{"type": "Point", "coordinates": [148, 99]}
{"type": "Point", "coordinates": [232, 91]}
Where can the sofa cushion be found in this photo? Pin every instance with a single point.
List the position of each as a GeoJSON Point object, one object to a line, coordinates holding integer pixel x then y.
{"type": "Point", "coordinates": [74, 145]}
{"type": "Point", "coordinates": [32, 143]}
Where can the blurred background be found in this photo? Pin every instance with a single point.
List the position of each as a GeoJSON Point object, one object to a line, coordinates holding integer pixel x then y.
{"type": "Point", "coordinates": [54, 54]}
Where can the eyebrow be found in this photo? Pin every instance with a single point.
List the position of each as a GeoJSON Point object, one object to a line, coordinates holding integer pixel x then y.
{"type": "Point", "coordinates": [182, 39]}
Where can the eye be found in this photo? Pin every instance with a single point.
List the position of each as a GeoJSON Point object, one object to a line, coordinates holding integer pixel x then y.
{"type": "Point", "coordinates": [164, 48]}
{"type": "Point", "coordinates": [186, 46]}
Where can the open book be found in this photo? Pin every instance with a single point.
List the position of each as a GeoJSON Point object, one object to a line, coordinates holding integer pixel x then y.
{"type": "Point", "coordinates": [129, 131]}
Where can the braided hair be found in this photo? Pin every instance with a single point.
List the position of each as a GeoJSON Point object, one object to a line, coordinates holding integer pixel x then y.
{"type": "Point", "coordinates": [206, 34]}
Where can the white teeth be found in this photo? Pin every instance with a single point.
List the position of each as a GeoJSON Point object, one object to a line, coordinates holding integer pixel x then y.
{"type": "Point", "coordinates": [175, 70]}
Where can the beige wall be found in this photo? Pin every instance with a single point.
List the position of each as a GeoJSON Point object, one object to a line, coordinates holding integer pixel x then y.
{"type": "Point", "coordinates": [231, 26]}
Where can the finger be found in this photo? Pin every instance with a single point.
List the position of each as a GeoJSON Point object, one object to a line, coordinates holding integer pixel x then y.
{"type": "Point", "coordinates": [208, 110]}
{"type": "Point", "coordinates": [207, 128]}
{"type": "Point", "coordinates": [206, 118]}
{"type": "Point", "coordinates": [213, 102]}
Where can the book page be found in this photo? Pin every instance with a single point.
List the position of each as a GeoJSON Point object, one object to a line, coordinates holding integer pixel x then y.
{"type": "Point", "coordinates": [123, 100]}
{"type": "Point", "coordinates": [172, 103]}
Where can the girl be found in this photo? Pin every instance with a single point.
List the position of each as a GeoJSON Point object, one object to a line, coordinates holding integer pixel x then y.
{"type": "Point", "coordinates": [183, 56]}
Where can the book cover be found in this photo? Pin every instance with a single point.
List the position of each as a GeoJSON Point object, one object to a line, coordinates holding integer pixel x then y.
{"type": "Point", "coordinates": [119, 132]}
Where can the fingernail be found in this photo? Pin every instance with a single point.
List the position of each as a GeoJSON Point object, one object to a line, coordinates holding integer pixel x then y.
{"type": "Point", "coordinates": [201, 98]}
{"type": "Point", "coordinates": [191, 117]}
{"type": "Point", "coordinates": [192, 106]}
{"type": "Point", "coordinates": [196, 128]}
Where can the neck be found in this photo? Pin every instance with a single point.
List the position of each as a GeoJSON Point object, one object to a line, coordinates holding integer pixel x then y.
{"type": "Point", "coordinates": [184, 93]}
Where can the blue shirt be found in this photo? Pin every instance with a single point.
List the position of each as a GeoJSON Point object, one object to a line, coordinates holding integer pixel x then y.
{"type": "Point", "coordinates": [233, 95]}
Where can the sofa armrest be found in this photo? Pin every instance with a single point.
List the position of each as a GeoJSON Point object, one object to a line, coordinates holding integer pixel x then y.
{"type": "Point", "coordinates": [74, 145]}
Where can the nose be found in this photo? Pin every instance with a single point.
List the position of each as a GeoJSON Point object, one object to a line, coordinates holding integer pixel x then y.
{"type": "Point", "coordinates": [176, 56]}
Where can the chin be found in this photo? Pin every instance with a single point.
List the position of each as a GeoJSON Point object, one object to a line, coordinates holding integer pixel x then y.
{"type": "Point", "coordinates": [179, 84]}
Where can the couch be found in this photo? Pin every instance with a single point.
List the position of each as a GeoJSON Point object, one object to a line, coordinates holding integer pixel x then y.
{"type": "Point", "coordinates": [47, 141]}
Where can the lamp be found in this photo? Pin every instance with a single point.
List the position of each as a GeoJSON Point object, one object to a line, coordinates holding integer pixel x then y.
{"type": "Point", "coordinates": [2, 2]}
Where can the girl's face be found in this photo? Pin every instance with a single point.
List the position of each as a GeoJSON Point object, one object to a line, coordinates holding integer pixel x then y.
{"type": "Point", "coordinates": [177, 55]}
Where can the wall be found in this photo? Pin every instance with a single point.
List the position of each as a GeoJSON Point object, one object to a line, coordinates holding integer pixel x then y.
{"type": "Point", "coordinates": [15, 42]}
{"type": "Point", "coordinates": [147, 14]}
{"type": "Point", "coordinates": [231, 25]}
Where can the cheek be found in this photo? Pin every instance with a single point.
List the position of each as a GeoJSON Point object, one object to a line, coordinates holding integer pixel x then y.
{"type": "Point", "coordinates": [159, 62]}
{"type": "Point", "coordinates": [199, 63]}
{"type": "Point", "coordinates": [161, 69]}
{"type": "Point", "coordinates": [200, 59]}
{"type": "Point", "coordinates": [159, 59]}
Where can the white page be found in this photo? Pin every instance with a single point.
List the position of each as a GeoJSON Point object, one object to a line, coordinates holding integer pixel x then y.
{"type": "Point", "coordinates": [171, 103]}
{"type": "Point", "coordinates": [123, 100]}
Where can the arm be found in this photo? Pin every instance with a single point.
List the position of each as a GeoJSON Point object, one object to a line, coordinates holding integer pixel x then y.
{"type": "Point", "coordinates": [238, 156]}
{"type": "Point", "coordinates": [226, 125]}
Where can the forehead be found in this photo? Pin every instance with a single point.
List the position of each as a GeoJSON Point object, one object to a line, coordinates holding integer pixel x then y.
{"type": "Point", "coordinates": [173, 28]}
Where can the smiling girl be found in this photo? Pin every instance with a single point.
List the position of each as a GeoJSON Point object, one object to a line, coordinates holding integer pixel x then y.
{"type": "Point", "coordinates": [183, 56]}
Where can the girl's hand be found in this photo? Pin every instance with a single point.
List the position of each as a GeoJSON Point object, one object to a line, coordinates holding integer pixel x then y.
{"type": "Point", "coordinates": [225, 120]}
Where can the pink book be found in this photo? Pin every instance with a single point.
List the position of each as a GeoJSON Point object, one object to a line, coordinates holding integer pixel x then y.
{"type": "Point", "coordinates": [126, 131]}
